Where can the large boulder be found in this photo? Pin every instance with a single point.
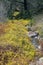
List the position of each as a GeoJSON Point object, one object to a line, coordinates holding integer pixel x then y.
{"type": "Point", "coordinates": [6, 8]}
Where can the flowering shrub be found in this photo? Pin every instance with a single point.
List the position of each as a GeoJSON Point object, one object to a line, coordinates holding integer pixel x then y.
{"type": "Point", "coordinates": [15, 46]}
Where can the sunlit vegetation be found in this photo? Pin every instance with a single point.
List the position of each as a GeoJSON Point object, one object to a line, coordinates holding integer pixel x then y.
{"type": "Point", "coordinates": [15, 46]}
{"type": "Point", "coordinates": [15, 13]}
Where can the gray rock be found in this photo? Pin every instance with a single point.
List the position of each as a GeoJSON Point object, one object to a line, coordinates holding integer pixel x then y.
{"type": "Point", "coordinates": [37, 62]}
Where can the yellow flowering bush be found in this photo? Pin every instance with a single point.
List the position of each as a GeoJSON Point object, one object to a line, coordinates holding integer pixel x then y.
{"type": "Point", "coordinates": [16, 48]}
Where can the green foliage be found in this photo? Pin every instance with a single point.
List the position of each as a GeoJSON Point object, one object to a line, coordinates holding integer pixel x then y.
{"type": "Point", "coordinates": [16, 48]}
